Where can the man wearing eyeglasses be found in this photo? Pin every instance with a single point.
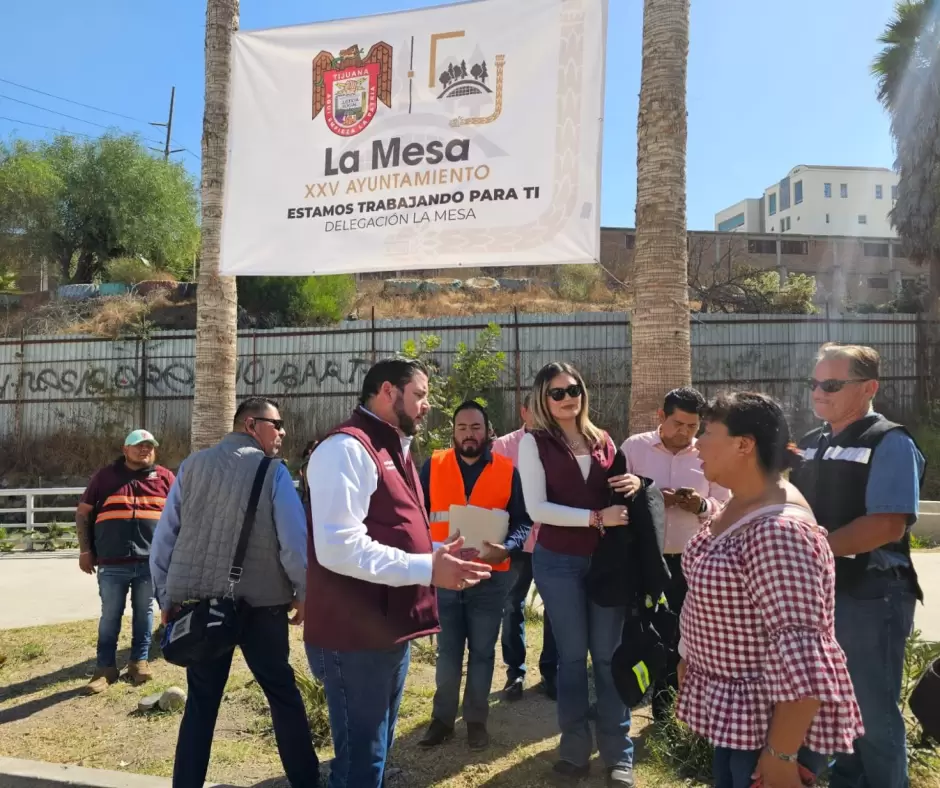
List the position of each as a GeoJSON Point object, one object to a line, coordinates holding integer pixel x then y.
{"type": "Point", "coordinates": [862, 475]}
{"type": "Point", "coordinates": [193, 549]}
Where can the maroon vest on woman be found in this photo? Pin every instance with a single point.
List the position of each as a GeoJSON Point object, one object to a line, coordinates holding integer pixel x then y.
{"type": "Point", "coordinates": [565, 486]}
{"type": "Point", "coordinates": [345, 614]}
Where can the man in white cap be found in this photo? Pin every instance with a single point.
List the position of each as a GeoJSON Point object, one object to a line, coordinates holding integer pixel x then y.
{"type": "Point", "coordinates": [115, 521]}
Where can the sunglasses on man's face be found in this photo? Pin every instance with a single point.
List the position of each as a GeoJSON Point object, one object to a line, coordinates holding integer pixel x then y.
{"type": "Point", "coordinates": [573, 391]}
{"type": "Point", "coordinates": [278, 424]}
{"type": "Point", "coordinates": [832, 385]}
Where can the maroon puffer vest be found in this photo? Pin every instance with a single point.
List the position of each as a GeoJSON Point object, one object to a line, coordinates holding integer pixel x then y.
{"type": "Point", "coordinates": [565, 486]}
{"type": "Point", "coordinates": [346, 614]}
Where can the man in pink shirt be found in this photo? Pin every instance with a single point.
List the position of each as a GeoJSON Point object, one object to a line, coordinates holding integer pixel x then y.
{"type": "Point", "coordinates": [513, 635]}
{"type": "Point", "coordinates": [668, 455]}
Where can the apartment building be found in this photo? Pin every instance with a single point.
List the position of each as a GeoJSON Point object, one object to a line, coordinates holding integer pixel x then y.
{"type": "Point", "coordinates": [811, 200]}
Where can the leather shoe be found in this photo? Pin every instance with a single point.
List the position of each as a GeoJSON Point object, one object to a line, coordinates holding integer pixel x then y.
{"type": "Point", "coordinates": [437, 733]}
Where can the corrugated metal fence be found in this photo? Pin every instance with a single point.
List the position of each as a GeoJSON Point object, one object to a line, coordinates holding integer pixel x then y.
{"type": "Point", "coordinates": [48, 384]}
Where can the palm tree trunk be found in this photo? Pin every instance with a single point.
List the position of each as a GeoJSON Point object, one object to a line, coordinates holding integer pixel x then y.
{"type": "Point", "coordinates": [217, 302]}
{"type": "Point", "coordinates": [660, 318]}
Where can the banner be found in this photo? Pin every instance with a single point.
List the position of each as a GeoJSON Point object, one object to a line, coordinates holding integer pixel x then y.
{"type": "Point", "coordinates": [460, 135]}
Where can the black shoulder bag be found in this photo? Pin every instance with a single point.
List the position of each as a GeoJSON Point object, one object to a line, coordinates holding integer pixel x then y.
{"type": "Point", "coordinates": [204, 629]}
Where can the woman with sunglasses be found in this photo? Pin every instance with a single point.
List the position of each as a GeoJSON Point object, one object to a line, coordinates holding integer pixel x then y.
{"type": "Point", "coordinates": [762, 676]}
{"type": "Point", "coordinates": [563, 463]}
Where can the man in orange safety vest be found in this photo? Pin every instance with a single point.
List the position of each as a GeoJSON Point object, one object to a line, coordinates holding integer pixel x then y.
{"type": "Point", "coordinates": [470, 474]}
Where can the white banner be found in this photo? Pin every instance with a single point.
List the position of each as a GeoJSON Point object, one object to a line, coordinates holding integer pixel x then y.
{"type": "Point", "coordinates": [461, 135]}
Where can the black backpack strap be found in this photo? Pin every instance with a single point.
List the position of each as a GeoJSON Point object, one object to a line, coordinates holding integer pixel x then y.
{"type": "Point", "coordinates": [235, 573]}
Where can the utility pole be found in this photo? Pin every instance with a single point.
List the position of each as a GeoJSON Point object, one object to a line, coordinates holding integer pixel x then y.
{"type": "Point", "coordinates": [169, 128]}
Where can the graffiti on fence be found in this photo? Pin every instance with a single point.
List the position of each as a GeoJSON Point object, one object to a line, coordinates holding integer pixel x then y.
{"type": "Point", "coordinates": [282, 376]}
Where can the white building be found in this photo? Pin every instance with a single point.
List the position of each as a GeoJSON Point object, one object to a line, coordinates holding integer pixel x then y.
{"type": "Point", "coordinates": [844, 201]}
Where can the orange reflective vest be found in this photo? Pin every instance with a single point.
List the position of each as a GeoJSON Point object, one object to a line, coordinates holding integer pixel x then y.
{"type": "Point", "coordinates": [492, 491]}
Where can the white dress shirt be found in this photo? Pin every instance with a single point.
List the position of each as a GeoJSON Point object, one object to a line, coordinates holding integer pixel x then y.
{"type": "Point", "coordinates": [532, 475]}
{"type": "Point", "coordinates": [342, 478]}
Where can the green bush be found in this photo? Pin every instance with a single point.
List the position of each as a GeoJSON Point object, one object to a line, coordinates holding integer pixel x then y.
{"type": "Point", "coordinates": [298, 301]}
{"type": "Point", "coordinates": [128, 271]}
{"type": "Point", "coordinates": [577, 282]}
{"type": "Point", "coordinates": [919, 654]}
{"type": "Point", "coordinates": [318, 714]}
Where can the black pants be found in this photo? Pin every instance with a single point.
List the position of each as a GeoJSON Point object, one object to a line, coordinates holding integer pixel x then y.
{"type": "Point", "coordinates": [265, 646]}
{"type": "Point", "coordinates": [675, 595]}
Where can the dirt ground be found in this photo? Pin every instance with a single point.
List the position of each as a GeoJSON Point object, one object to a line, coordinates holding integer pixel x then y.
{"type": "Point", "coordinates": [43, 716]}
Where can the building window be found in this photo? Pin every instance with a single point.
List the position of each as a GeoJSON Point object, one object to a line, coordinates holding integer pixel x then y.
{"type": "Point", "coordinates": [761, 247]}
{"type": "Point", "coordinates": [897, 250]}
{"type": "Point", "coordinates": [827, 190]}
{"type": "Point", "coordinates": [785, 224]}
{"type": "Point", "coordinates": [878, 283]}
{"type": "Point", "coordinates": [862, 219]}
{"type": "Point", "coordinates": [785, 193]}
{"type": "Point", "coordinates": [771, 204]}
{"type": "Point", "coordinates": [729, 224]}
{"type": "Point", "coordinates": [843, 190]}
{"type": "Point", "coordinates": [827, 218]}
{"type": "Point", "coordinates": [798, 192]}
{"type": "Point", "coordinates": [875, 250]}
{"type": "Point", "coordinates": [793, 247]}
{"type": "Point", "coordinates": [629, 241]}
{"type": "Point", "coordinates": [894, 192]}
{"type": "Point", "coordinates": [878, 192]}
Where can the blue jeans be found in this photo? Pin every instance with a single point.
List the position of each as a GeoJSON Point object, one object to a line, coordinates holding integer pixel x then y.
{"type": "Point", "coordinates": [581, 626]}
{"type": "Point", "coordinates": [873, 623]}
{"type": "Point", "coordinates": [363, 693]}
{"type": "Point", "coordinates": [266, 647]}
{"type": "Point", "coordinates": [114, 581]}
{"type": "Point", "coordinates": [513, 637]}
{"type": "Point", "coordinates": [469, 619]}
{"type": "Point", "coordinates": [733, 768]}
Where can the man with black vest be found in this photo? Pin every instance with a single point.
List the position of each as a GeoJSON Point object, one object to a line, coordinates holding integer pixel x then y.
{"type": "Point", "coordinates": [114, 522]}
{"type": "Point", "coordinates": [372, 568]}
{"type": "Point", "coordinates": [862, 476]}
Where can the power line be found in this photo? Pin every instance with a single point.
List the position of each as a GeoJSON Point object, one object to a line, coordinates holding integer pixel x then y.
{"type": "Point", "coordinates": [86, 106]}
{"type": "Point", "coordinates": [48, 128]}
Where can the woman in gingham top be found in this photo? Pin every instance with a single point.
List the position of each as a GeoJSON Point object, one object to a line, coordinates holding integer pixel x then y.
{"type": "Point", "coordinates": [763, 678]}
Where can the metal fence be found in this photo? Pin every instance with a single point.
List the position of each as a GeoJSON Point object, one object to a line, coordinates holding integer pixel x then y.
{"type": "Point", "coordinates": [50, 384]}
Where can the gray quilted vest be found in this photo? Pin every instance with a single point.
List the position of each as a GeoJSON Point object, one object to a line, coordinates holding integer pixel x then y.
{"type": "Point", "coordinates": [215, 485]}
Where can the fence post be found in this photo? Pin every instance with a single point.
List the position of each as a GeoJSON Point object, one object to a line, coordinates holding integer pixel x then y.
{"type": "Point", "coordinates": [142, 344]}
{"type": "Point", "coordinates": [30, 506]}
{"type": "Point", "coordinates": [372, 335]}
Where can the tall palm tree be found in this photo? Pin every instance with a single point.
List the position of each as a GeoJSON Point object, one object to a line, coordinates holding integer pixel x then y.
{"type": "Point", "coordinates": [907, 71]}
{"type": "Point", "coordinates": [660, 319]}
{"type": "Point", "coordinates": [217, 301]}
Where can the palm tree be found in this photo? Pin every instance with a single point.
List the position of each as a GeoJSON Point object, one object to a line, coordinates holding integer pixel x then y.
{"type": "Point", "coordinates": [908, 74]}
{"type": "Point", "coordinates": [660, 319]}
{"type": "Point", "coordinates": [217, 302]}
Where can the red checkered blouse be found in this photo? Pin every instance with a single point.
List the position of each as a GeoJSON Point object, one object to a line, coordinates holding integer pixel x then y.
{"type": "Point", "coordinates": [758, 629]}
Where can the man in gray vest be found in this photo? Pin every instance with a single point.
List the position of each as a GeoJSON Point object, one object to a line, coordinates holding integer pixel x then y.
{"type": "Point", "coordinates": [192, 553]}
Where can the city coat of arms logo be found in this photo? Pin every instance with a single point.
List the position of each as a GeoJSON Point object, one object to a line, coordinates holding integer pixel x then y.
{"type": "Point", "coordinates": [348, 88]}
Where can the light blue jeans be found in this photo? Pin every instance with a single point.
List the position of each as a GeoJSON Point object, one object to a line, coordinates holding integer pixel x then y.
{"type": "Point", "coordinates": [581, 626]}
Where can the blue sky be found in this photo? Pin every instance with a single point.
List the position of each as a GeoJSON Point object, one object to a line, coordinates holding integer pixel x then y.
{"type": "Point", "coordinates": [770, 85]}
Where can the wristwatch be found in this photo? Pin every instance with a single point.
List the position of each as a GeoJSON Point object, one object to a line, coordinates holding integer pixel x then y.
{"type": "Point", "coordinates": [780, 755]}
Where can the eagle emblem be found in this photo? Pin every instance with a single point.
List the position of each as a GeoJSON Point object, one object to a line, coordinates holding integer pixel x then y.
{"type": "Point", "coordinates": [348, 88]}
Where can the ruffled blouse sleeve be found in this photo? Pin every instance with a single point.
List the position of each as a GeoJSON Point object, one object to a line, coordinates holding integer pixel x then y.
{"type": "Point", "coordinates": [789, 572]}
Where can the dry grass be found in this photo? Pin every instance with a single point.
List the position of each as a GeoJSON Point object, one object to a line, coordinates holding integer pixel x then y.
{"type": "Point", "coordinates": [42, 717]}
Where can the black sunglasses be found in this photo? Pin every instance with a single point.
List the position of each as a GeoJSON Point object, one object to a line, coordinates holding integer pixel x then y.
{"type": "Point", "coordinates": [574, 391]}
{"type": "Point", "coordinates": [832, 385]}
{"type": "Point", "coordinates": [278, 424]}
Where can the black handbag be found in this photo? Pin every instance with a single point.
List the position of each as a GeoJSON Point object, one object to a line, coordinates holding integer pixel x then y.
{"type": "Point", "coordinates": [205, 629]}
{"type": "Point", "coordinates": [925, 701]}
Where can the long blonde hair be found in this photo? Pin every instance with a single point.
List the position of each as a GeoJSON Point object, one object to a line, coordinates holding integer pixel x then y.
{"type": "Point", "coordinates": [542, 418]}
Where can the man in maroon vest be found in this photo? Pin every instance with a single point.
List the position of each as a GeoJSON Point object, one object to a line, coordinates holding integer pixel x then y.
{"type": "Point", "coordinates": [372, 568]}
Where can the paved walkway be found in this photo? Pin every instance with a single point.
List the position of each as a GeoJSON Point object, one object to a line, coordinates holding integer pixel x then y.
{"type": "Point", "coordinates": [58, 591]}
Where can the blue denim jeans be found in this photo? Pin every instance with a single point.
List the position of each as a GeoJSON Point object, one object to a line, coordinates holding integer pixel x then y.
{"type": "Point", "coordinates": [733, 768]}
{"type": "Point", "coordinates": [469, 619]}
{"type": "Point", "coordinates": [363, 693]}
{"type": "Point", "coordinates": [581, 626]}
{"type": "Point", "coordinates": [872, 626]}
{"type": "Point", "coordinates": [114, 581]}
{"type": "Point", "coordinates": [513, 636]}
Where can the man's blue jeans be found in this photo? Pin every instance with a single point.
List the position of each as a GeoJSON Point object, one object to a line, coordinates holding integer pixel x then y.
{"type": "Point", "coordinates": [363, 693]}
{"type": "Point", "coordinates": [581, 626]}
{"type": "Point", "coordinates": [114, 581]}
{"type": "Point", "coordinates": [873, 623]}
{"type": "Point", "coordinates": [469, 619]}
{"type": "Point", "coordinates": [513, 636]}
